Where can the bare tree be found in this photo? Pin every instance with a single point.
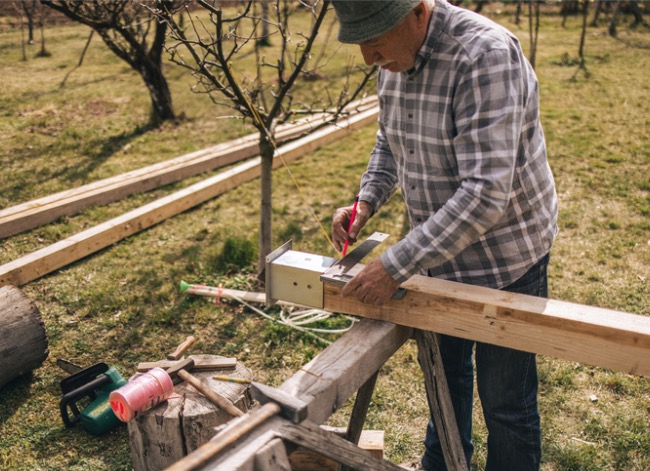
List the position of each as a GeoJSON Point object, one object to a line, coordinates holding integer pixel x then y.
{"type": "Point", "coordinates": [533, 27]}
{"type": "Point", "coordinates": [42, 15]}
{"type": "Point", "coordinates": [27, 8]}
{"type": "Point", "coordinates": [581, 49]}
{"type": "Point", "coordinates": [133, 34]}
{"type": "Point", "coordinates": [219, 50]}
{"type": "Point", "coordinates": [518, 12]}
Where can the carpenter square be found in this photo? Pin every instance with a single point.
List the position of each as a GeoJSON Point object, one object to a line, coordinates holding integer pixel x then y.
{"type": "Point", "coordinates": [345, 269]}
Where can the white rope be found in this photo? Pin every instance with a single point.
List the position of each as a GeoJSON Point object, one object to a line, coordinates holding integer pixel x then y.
{"type": "Point", "coordinates": [298, 319]}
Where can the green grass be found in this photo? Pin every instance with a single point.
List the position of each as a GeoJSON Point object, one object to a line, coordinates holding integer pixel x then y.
{"type": "Point", "coordinates": [123, 306]}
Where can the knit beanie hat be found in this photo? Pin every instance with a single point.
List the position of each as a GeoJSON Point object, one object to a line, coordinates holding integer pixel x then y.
{"type": "Point", "coordinates": [361, 20]}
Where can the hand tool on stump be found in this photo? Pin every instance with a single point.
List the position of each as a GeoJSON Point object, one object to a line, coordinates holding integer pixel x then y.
{"type": "Point", "coordinates": [274, 402]}
{"type": "Point", "coordinates": [182, 348]}
{"type": "Point", "coordinates": [179, 370]}
{"type": "Point", "coordinates": [199, 364]}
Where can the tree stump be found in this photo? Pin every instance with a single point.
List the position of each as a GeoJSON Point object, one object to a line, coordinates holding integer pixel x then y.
{"type": "Point", "coordinates": [187, 420]}
{"type": "Point", "coordinates": [23, 341]}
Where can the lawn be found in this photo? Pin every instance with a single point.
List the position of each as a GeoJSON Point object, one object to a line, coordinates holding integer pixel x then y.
{"type": "Point", "coordinates": [122, 305]}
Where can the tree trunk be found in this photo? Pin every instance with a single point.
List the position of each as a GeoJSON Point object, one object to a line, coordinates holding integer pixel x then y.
{"type": "Point", "coordinates": [599, 8]}
{"type": "Point", "coordinates": [583, 36]}
{"type": "Point", "coordinates": [163, 435]}
{"type": "Point", "coordinates": [480, 4]}
{"type": "Point", "coordinates": [23, 341]}
{"type": "Point", "coordinates": [612, 24]}
{"type": "Point", "coordinates": [533, 26]}
{"type": "Point", "coordinates": [518, 12]}
{"type": "Point", "coordinates": [266, 206]}
{"type": "Point", "coordinates": [638, 15]}
{"type": "Point", "coordinates": [161, 97]}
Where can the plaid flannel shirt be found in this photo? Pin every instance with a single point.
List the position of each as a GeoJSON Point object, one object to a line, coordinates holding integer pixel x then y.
{"type": "Point", "coordinates": [460, 135]}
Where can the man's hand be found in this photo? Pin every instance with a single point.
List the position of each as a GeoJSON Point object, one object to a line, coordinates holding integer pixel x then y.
{"type": "Point", "coordinates": [341, 220]}
{"type": "Point", "coordinates": [373, 285]}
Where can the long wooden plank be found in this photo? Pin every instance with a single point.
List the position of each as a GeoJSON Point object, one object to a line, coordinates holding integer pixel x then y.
{"type": "Point", "coordinates": [325, 384]}
{"type": "Point", "coordinates": [34, 213]}
{"type": "Point", "coordinates": [586, 334]}
{"type": "Point", "coordinates": [78, 246]}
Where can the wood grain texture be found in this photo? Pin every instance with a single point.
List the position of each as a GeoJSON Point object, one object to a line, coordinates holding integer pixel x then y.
{"type": "Point", "coordinates": [184, 422]}
{"type": "Point", "coordinates": [23, 340]}
{"type": "Point", "coordinates": [585, 334]}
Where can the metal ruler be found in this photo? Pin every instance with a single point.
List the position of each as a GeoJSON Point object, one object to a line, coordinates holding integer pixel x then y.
{"type": "Point", "coordinates": [346, 268]}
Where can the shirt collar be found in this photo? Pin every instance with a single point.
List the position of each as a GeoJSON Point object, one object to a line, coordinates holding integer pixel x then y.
{"type": "Point", "coordinates": [436, 27]}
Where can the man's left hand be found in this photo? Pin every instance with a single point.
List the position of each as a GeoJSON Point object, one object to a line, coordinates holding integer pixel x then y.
{"type": "Point", "coordinates": [373, 285]}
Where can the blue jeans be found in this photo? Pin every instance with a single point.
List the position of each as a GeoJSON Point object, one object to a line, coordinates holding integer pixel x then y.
{"type": "Point", "coordinates": [507, 386]}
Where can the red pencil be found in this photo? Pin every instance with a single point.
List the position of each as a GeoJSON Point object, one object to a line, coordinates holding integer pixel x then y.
{"type": "Point", "coordinates": [352, 216]}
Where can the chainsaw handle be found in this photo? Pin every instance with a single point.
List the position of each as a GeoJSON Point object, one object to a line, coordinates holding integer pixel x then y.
{"type": "Point", "coordinates": [69, 400]}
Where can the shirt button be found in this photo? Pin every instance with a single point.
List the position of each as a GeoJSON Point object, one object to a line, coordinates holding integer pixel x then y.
{"type": "Point", "coordinates": [411, 151]}
{"type": "Point", "coordinates": [410, 115]}
{"type": "Point", "coordinates": [412, 187]}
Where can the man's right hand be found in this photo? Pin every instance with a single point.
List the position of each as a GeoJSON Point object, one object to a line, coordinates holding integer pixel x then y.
{"type": "Point", "coordinates": [341, 220]}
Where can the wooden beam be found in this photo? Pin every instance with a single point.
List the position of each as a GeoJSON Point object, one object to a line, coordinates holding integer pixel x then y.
{"type": "Point", "coordinates": [439, 399]}
{"type": "Point", "coordinates": [34, 213]}
{"type": "Point", "coordinates": [76, 247]}
{"type": "Point", "coordinates": [586, 334]}
{"type": "Point", "coordinates": [311, 437]}
{"type": "Point", "coordinates": [307, 460]}
{"type": "Point", "coordinates": [325, 384]}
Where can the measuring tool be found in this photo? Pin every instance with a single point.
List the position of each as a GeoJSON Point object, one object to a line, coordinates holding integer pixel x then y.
{"type": "Point", "coordinates": [299, 277]}
{"type": "Point", "coordinates": [93, 384]}
{"type": "Point", "coordinates": [345, 269]}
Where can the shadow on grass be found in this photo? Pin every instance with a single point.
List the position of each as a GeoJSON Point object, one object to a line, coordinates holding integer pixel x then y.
{"type": "Point", "coordinates": [93, 154]}
{"type": "Point", "coordinates": [14, 394]}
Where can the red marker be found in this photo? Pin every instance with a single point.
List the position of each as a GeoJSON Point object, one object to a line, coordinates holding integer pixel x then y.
{"type": "Point", "coordinates": [352, 216]}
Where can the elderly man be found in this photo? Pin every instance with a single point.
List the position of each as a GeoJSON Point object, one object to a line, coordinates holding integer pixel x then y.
{"type": "Point", "coordinates": [459, 135]}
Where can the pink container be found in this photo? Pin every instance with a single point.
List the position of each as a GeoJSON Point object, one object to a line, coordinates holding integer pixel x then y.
{"type": "Point", "coordinates": [141, 394]}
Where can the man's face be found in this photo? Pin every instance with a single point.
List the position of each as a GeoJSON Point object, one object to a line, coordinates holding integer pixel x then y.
{"type": "Point", "coordinates": [396, 49]}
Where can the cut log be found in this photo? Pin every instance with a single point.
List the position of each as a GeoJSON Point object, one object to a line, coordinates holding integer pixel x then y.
{"type": "Point", "coordinates": [23, 340]}
{"type": "Point", "coordinates": [185, 421]}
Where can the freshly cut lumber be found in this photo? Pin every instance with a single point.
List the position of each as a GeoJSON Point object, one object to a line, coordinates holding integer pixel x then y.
{"type": "Point", "coordinates": [34, 213]}
{"type": "Point", "coordinates": [78, 246]}
{"type": "Point", "coordinates": [595, 336]}
{"type": "Point", "coordinates": [23, 340]}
